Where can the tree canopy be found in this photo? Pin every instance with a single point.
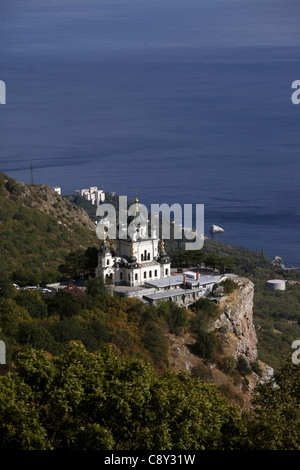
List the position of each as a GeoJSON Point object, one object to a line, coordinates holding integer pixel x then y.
{"type": "Point", "coordinates": [100, 400]}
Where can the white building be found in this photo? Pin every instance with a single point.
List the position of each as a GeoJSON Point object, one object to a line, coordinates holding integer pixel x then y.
{"type": "Point", "coordinates": [141, 268]}
{"type": "Point", "coordinates": [276, 284]}
{"type": "Point", "coordinates": [137, 259]}
{"type": "Point", "coordinates": [57, 190]}
{"type": "Point", "coordinates": [92, 194]}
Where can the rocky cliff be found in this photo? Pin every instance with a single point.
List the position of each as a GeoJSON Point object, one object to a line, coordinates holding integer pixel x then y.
{"type": "Point", "coordinates": [235, 325]}
{"type": "Point", "coordinates": [235, 328]}
{"type": "Point", "coordinates": [236, 321]}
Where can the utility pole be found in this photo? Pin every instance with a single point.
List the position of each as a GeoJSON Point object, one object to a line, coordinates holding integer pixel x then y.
{"type": "Point", "coordinates": [31, 174]}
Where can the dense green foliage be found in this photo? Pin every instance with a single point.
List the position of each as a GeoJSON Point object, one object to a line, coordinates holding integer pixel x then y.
{"type": "Point", "coordinates": [50, 321]}
{"type": "Point", "coordinates": [277, 320]}
{"type": "Point", "coordinates": [275, 421]}
{"type": "Point", "coordinates": [228, 286]}
{"type": "Point", "coordinates": [224, 263]}
{"type": "Point", "coordinates": [82, 400]}
{"type": "Point", "coordinates": [207, 343]}
{"type": "Point", "coordinates": [175, 317]}
{"type": "Point", "coordinates": [245, 262]}
{"type": "Point", "coordinates": [79, 262]}
{"type": "Point", "coordinates": [32, 243]}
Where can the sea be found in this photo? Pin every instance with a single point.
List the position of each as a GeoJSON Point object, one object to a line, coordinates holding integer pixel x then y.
{"type": "Point", "coordinates": [183, 101]}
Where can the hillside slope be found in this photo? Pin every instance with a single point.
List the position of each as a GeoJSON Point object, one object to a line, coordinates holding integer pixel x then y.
{"type": "Point", "coordinates": [38, 228]}
{"type": "Point", "coordinates": [234, 328]}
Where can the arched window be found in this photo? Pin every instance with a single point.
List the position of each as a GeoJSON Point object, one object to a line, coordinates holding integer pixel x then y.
{"type": "Point", "coordinates": [150, 273]}
{"type": "Point", "coordinates": [167, 271]}
{"type": "Point", "coordinates": [136, 277]}
{"type": "Point", "coordinates": [155, 273]}
{"type": "Point", "coordinates": [121, 275]}
{"type": "Point", "coordinates": [142, 257]}
{"type": "Point", "coordinates": [145, 275]}
{"type": "Point", "coordinates": [148, 256]}
{"type": "Point", "coordinates": [107, 262]}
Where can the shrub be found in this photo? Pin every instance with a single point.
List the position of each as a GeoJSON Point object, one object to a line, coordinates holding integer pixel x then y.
{"type": "Point", "coordinates": [178, 318]}
{"type": "Point", "coordinates": [242, 366]}
{"type": "Point", "coordinates": [206, 344]}
{"type": "Point", "coordinates": [227, 364]}
{"type": "Point", "coordinates": [228, 285]}
{"type": "Point", "coordinates": [202, 372]}
{"type": "Point", "coordinates": [256, 368]}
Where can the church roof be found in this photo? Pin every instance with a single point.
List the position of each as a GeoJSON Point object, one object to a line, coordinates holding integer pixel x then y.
{"type": "Point", "coordinates": [104, 248]}
{"type": "Point", "coordinates": [146, 264]}
{"type": "Point", "coordinates": [163, 257]}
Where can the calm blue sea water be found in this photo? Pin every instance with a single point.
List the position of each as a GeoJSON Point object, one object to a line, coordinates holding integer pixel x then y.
{"type": "Point", "coordinates": [185, 101]}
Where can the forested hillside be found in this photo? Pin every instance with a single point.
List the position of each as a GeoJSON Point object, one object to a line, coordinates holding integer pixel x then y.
{"type": "Point", "coordinates": [38, 229]}
{"type": "Point", "coordinates": [45, 238]}
{"type": "Point", "coordinates": [121, 347]}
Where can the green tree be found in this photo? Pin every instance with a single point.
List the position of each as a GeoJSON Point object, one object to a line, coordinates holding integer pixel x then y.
{"type": "Point", "coordinates": [63, 304]}
{"type": "Point", "coordinates": [7, 289]}
{"type": "Point", "coordinates": [275, 422]}
{"type": "Point", "coordinates": [242, 366]}
{"type": "Point", "coordinates": [206, 311]}
{"type": "Point", "coordinates": [11, 315]}
{"type": "Point", "coordinates": [35, 336]}
{"type": "Point", "coordinates": [74, 264]}
{"type": "Point", "coordinates": [178, 318]}
{"type": "Point", "coordinates": [32, 302]}
{"type": "Point", "coordinates": [175, 316]}
{"type": "Point", "coordinates": [97, 287]}
{"type": "Point", "coordinates": [20, 424]}
{"type": "Point", "coordinates": [155, 342]}
{"type": "Point", "coordinates": [83, 400]}
{"type": "Point", "coordinates": [205, 345]}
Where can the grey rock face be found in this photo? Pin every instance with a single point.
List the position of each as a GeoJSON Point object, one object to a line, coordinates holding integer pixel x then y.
{"type": "Point", "coordinates": [237, 318]}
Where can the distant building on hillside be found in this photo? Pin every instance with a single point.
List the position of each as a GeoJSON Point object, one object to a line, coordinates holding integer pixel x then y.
{"type": "Point", "coordinates": [57, 190]}
{"type": "Point", "coordinates": [276, 284]}
{"type": "Point", "coordinates": [94, 195]}
{"type": "Point", "coordinates": [74, 290]}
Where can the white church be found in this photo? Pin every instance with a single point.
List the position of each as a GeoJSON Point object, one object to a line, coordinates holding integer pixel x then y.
{"type": "Point", "coordinates": [138, 259]}
{"type": "Point", "coordinates": [141, 268]}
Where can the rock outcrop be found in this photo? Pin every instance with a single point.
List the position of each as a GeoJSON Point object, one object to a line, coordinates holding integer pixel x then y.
{"type": "Point", "coordinates": [216, 229]}
{"type": "Point", "coordinates": [236, 330]}
{"type": "Point", "coordinates": [237, 320]}
{"type": "Point", "coordinates": [278, 262]}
